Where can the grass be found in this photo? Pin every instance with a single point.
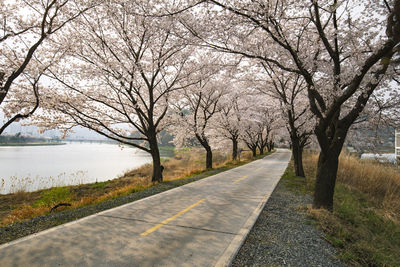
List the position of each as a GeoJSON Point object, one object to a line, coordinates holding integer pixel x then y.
{"type": "Point", "coordinates": [186, 163]}
{"type": "Point", "coordinates": [53, 196]}
{"type": "Point", "coordinates": [365, 223]}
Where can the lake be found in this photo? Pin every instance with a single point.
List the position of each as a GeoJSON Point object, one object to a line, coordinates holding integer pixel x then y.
{"type": "Point", "coordinates": [31, 168]}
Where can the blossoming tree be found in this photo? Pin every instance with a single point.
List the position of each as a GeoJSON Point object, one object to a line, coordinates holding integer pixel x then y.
{"type": "Point", "coordinates": [344, 50]}
{"type": "Point", "coordinates": [197, 108]}
{"type": "Point", "coordinates": [119, 76]}
{"type": "Point", "coordinates": [26, 50]}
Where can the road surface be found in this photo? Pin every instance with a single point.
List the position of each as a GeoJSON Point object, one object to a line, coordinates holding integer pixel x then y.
{"type": "Point", "coordinates": [199, 224]}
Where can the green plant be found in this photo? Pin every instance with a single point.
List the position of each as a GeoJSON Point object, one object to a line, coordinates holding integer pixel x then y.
{"type": "Point", "coordinates": [54, 196]}
{"type": "Point", "coordinates": [100, 184]}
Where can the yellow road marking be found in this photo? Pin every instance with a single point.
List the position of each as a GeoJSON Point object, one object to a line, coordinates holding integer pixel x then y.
{"type": "Point", "coordinates": [149, 231]}
{"type": "Point", "coordinates": [241, 178]}
{"type": "Point", "coordinates": [259, 169]}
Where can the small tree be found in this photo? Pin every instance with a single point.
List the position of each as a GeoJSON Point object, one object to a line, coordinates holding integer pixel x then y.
{"type": "Point", "coordinates": [251, 126]}
{"type": "Point", "coordinates": [269, 118]}
{"type": "Point", "coordinates": [250, 138]}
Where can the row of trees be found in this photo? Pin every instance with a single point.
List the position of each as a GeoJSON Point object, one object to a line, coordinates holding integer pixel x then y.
{"type": "Point", "coordinates": [346, 52]}
{"type": "Point", "coordinates": [206, 70]}
{"type": "Point", "coordinates": [213, 112]}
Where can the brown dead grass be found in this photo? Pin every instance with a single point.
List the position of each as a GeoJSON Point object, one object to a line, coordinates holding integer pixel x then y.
{"type": "Point", "coordinates": [23, 205]}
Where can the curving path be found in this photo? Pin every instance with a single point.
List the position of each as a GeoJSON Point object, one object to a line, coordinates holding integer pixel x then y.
{"type": "Point", "coordinates": [202, 223]}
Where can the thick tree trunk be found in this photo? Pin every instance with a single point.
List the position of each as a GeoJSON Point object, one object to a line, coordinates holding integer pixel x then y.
{"type": "Point", "coordinates": [254, 150]}
{"type": "Point", "coordinates": [331, 142]}
{"type": "Point", "coordinates": [234, 148]}
{"type": "Point", "coordinates": [208, 157]}
{"type": "Point", "coordinates": [326, 180]}
{"type": "Point", "coordinates": [155, 154]}
{"type": "Point", "coordinates": [297, 153]}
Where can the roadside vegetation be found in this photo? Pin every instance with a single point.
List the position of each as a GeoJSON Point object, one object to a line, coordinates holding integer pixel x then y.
{"type": "Point", "coordinates": [365, 222]}
{"type": "Point", "coordinates": [185, 163]}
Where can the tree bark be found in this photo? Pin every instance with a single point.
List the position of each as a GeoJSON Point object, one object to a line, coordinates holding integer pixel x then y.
{"type": "Point", "coordinates": [234, 148]}
{"type": "Point", "coordinates": [204, 142]}
{"type": "Point", "coordinates": [208, 157]}
{"type": "Point", "coordinates": [270, 146]}
{"type": "Point", "coordinates": [326, 180]}
{"type": "Point", "coordinates": [297, 153]}
{"type": "Point", "coordinates": [331, 140]}
{"type": "Point", "coordinates": [254, 150]}
{"type": "Point", "coordinates": [155, 154]}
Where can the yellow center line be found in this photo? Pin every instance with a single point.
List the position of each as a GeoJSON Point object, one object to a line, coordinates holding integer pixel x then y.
{"type": "Point", "coordinates": [149, 231]}
{"type": "Point", "coordinates": [241, 178]}
{"type": "Point", "coordinates": [259, 169]}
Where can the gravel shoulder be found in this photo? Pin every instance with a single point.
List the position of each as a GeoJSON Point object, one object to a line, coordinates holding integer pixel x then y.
{"type": "Point", "coordinates": [284, 236]}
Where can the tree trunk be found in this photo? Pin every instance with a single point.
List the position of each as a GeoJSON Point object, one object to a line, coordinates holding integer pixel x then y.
{"type": "Point", "coordinates": [331, 140]}
{"type": "Point", "coordinates": [262, 148]}
{"type": "Point", "coordinates": [254, 150]}
{"type": "Point", "coordinates": [234, 148]}
{"type": "Point", "coordinates": [155, 154]}
{"type": "Point", "coordinates": [297, 153]}
{"type": "Point", "coordinates": [270, 146]}
{"type": "Point", "coordinates": [208, 157]}
{"type": "Point", "coordinates": [326, 180]}
{"type": "Point", "coordinates": [204, 142]}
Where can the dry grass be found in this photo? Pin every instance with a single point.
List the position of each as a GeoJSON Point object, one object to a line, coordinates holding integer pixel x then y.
{"type": "Point", "coordinates": [26, 205]}
{"type": "Point", "coordinates": [25, 211]}
{"type": "Point", "coordinates": [79, 196]}
{"type": "Point", "coordinates": [188, 163]}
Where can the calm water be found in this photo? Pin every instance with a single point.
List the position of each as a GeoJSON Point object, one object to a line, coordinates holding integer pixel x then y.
{"type": "Point", "coordinates": [36, 167]}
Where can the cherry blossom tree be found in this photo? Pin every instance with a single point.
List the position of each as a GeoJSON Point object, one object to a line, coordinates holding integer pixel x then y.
{"type": "Point", "coordinates": [344, 50]}
{"type": "Point", "coordinates": [291, 91]}
{"type": "Point", "coordinates": [26, 50]}
{"type": "Point", "coordinates": [258, 124]}
{"type": "Point", "coordinates": [197, 108]}
{"type": "Point", "coordinates": [228, 123]}
{"type": "Point", "coordinates": [119, 76]}
{"type": "Point", "coordinates": [266, 128]}
{"type": "Point", "coordinates": [250, 135]}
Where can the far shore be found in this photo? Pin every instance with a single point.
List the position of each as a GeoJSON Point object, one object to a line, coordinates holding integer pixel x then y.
{"type": "Point", "coordinates": [33, 144]}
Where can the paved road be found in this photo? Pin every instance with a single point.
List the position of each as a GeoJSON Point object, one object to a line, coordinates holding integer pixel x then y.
{"type": "Point", "coordinates": [199, 224]}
